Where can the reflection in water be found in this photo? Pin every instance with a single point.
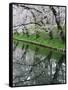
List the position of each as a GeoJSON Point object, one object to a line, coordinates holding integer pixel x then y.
{"type": "Point", "coordinates": [35, 65]}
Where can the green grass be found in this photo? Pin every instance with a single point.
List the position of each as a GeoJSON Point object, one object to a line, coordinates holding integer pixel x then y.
{"type": "Point", "coordinates": [53, 43]}
{"type": "Point", "coordinates": [41, 50]}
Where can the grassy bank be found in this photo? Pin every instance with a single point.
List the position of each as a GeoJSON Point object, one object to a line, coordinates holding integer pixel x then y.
{"type": "Point", "coordinates": [51, 43]}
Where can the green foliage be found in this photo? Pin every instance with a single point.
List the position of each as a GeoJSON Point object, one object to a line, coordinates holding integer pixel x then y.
{"type": "Point", "coordinates": [54, 43]}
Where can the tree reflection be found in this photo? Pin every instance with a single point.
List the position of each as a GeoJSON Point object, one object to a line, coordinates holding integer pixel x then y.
{"type": "Point", "coordinates": [24, 54]}
{"type": "Point", "coordinates": [58, 67]}
{"type": "Point", "coordinates": [15, 45]}
{"type": "Point", "coordinates": [41, 70]}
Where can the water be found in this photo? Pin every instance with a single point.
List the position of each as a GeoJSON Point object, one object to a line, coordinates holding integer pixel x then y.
{"type": "Point", "coordinates": [35, 65]}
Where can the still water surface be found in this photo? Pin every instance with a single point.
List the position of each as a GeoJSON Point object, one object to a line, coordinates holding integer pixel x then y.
{"type": "Point", "coordinates": [35, 65]}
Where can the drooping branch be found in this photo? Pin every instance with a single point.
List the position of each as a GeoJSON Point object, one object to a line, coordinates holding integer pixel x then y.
{"type": "Point", "coordinates": [39, 23]}
{"type": "Point", "coordinates": [26, 24]}
{"type": "Point", "coordinates": [33, 16]}
{"type": "Point", "coordinates": [28, 8]}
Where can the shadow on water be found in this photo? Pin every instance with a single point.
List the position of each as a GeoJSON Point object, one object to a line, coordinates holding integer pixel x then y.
{"type": "Point", "coordinates": [35, 65]}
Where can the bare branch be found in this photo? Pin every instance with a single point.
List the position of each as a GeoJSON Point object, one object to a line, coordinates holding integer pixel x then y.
{"type": "Point", "coordinates": [28, 8]}
{"type": "Point", "coordinates": [26, 24]}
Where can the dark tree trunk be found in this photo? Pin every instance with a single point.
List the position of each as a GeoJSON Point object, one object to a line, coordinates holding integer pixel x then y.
{"type": "Point", "coordinates": [58, 23]}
